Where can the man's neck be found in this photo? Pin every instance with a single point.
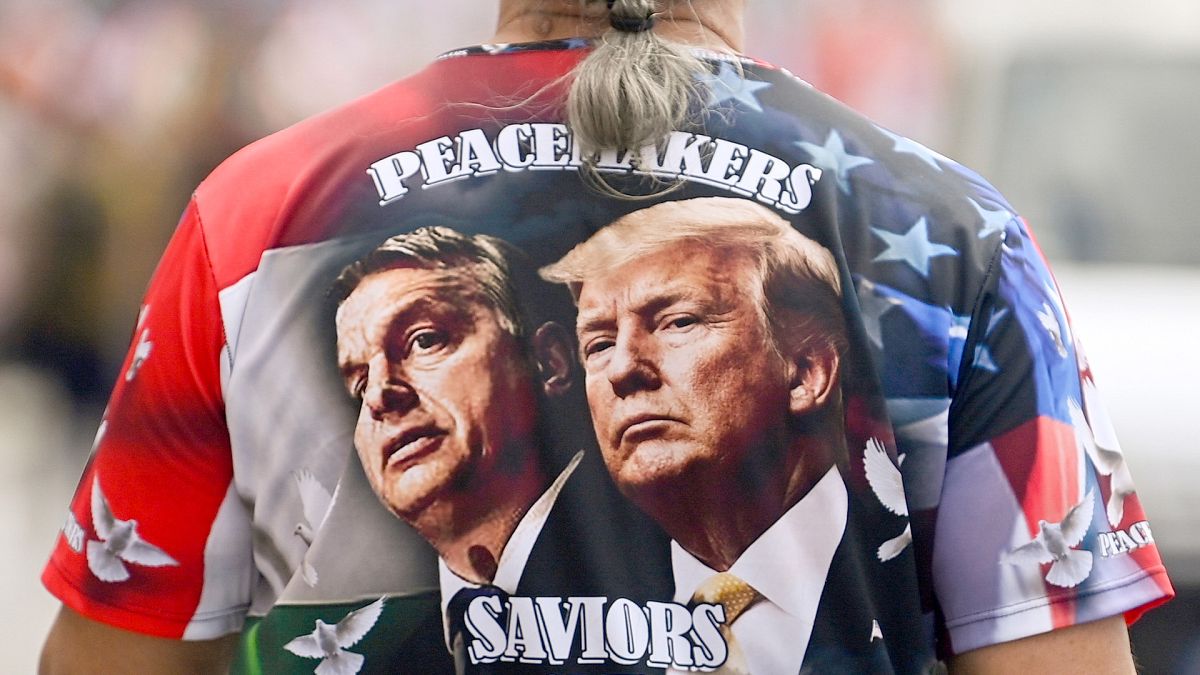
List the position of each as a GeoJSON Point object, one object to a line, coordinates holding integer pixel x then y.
{"type": "Point", "coordinates": [717, 518]}
{"type": "Point", "coordinates": [470, 534]}
{"type": "Point", "coordinates": [712, 24]}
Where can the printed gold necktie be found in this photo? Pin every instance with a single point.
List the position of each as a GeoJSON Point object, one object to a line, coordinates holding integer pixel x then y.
{"type": "Point", "coordinates": [736, 596]}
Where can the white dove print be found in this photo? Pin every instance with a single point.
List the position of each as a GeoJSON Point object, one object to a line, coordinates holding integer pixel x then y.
{"type": "Point", "coordinates": [142, 351]}
{"type": "Point", "coordinates": [140, 354]}
{"type": "Point", "coordinates": [1049, 321]}
{"type": "Point", "coordinates": [103, 429]}
{"type": "Point", "coordinates": [315, 501]}
{"type": "Point", "coordinates": [1053, 545]}
{"type": "Point", "coordinates": [888, 486]}
{"type": "Point", "coordinates": [1109, 461]}
{"type": "Point", "coordinates": [118, 543]}
{"type": "Point", "coordinates": [329, 642]}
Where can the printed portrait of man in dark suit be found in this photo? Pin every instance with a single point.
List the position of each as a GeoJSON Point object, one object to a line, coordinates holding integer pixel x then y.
{"type": "Point", "coordinates": [473, 427]}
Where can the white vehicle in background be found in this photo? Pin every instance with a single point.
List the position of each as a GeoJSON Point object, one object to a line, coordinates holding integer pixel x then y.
{"type": "Point", "coordinates": [1089, 126]}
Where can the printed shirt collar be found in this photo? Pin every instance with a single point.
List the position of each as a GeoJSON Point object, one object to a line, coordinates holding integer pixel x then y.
{"type": "Point", "coordinates": [789, 563]}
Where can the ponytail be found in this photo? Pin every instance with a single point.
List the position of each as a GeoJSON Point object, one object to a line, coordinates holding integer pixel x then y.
{"type": "Point", "coordinates": [635, 87]}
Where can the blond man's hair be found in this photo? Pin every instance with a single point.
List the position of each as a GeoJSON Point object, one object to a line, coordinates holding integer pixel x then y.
{"type": "Point", "coordinates": [798, 283]}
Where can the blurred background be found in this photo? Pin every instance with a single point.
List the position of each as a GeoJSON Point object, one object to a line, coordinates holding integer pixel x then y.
{"type": "Point", "coordinates": [1083, 112]}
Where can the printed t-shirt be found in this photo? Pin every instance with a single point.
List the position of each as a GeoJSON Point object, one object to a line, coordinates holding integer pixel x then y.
{"type": "Point", "coordinates": [987, 497]}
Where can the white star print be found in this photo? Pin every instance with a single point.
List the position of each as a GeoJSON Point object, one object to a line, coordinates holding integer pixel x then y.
{"type": "Point", "coordinates": [995, 320]}
{"type": "Point", "coordinates": [956, 342]}
{"type": "Point", "coordinates": [833, 157]}
{"type": "Point", "coordinates": [993, 221]}
{"type": "Point", "coordinates": [873, 306]}
{"type": "Point", "coordinates": [983, 359]}
{"type": "Point", "coordinates": [913, 247]}
{"type": "Point", "coordinates": [960, 326]}
{"type": "Point", "coordinates": [907, 146]}
{"type": "Point", "coordinates": [729, 85]}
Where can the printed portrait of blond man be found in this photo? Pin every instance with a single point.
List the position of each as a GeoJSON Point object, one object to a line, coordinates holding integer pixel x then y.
{"type": "Point", "coordinates": [712, 334]}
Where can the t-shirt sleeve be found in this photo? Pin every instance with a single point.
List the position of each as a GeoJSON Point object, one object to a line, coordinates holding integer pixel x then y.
{"type": "Point", "coordinates": [1038, 525]}
{"type": "Point", "coordinates": [155, 539]}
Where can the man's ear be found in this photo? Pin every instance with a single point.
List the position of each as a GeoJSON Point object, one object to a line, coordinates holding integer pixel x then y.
{"type": "Point", "coordinates": [555, 358]}
{"type": "Point", "coordinates": [813, 377]}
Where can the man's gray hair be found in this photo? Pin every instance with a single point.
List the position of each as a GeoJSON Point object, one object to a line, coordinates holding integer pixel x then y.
{"type": "Point", "coordinates": [799, 280]}
{"type": "Point", "coordinates": [504, 274]}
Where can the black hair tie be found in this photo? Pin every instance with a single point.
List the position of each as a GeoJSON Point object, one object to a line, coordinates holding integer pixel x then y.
{"type": "Point", "coordinates": [628, 24]}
